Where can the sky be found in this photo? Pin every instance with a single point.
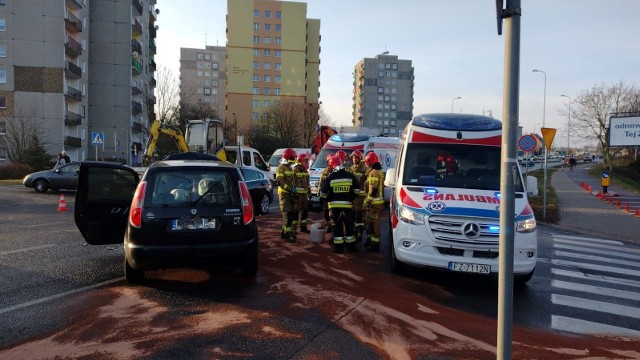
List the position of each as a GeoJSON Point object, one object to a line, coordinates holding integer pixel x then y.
{"type": "Point", "coordinates": [454, 47]}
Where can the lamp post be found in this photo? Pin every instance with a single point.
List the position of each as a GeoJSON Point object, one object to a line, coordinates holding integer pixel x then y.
{"type": "Point", "coordinates": [454, 99]}
{"type": "Point", "coordinates": [544, 185]}
{"type": "Point", "coordinates": [568, 124]}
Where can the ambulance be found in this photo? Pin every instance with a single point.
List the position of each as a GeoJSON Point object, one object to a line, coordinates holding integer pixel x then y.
{"type": "Point", "coordinates": [385, 147]}
{"type": "Point", "coordinates": [445, 206]}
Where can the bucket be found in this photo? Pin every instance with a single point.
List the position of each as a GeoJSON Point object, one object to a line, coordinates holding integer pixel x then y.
{"type": "Point", "coordinates": [317, 233]}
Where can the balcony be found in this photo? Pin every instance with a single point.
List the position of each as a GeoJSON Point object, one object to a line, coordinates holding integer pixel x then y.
{"type": "Point", "coordinates": [152, 46]}
{"type": "Point", "coordinates": [136, 89]}
{"type": "Point", "coordinates": [72, 70]}
{"type": "Point", "coordinates": [74, 4]}
{"type": "Point", "coordinates": [136, 28]}
{"type": "Point", "coordinates": [152, 82]}
{"type": "Point", "coordinates": [152, 65]}
{"type": "Point", "coordinates": [136, 107]}
{"type": "Point", "coordinates": [72, 23]}
{"type": "Point", "coordinates": [136, 46]}
{"type": "Point", "coordinates": [136, 67]}
{"type": "Point", "coordinates": [73, 94]}
{"type": "Point", "coordinates": [153, 33]}
{"type": "Point", "coordinates": [137, 5]}
{"type": "Point", "coordinates": [72, 47]}
{"type": "Point", "coordinates": [152, 100]}
{"type": "Point", "coordinates": [72, 141]}
{"type": "Point", "coordinates": [137, 127]}
{"type": "Point", "coordinates": [72, 119]}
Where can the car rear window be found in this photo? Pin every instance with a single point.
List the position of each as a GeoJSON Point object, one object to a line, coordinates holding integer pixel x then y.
{"type": "Point", "coordinates": [201, 187]}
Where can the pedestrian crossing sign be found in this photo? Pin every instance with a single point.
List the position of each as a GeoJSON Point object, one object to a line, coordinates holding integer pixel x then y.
{"type": "Point", "coordinates": [97, 138]}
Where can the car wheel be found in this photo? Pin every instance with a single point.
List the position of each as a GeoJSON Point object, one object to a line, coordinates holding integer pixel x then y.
{"type": "Point", "coordinates": [521, 280]}
{"type": "Point", "coordinates": [265, 202]}
{"type": "Point", "coordinates": [396, 265]}
{"type": "Point", "coordinates": [133, 276]}
{"type": "Point", "coordinates": [249, 267]}
{"type": "Point", "coordinates": [41, 185]}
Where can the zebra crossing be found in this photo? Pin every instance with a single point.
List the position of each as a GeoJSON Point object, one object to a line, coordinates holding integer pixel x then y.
{"type": "Point", "coordinates": [595, 286]}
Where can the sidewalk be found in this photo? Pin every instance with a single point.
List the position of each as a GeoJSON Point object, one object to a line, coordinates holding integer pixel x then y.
{"type": "Point", "coordinates": [583, 212]}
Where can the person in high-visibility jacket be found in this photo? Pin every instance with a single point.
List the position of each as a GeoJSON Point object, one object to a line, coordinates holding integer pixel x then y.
{"type": "Point", "coordinates": [323, 177]}
{"type": "Point", "coordinates": [374, 201]}
{"type": "Point", "coordinates": [303, 187]}
{"type": "Point", "coordinates": [359, 169]}
{"type": "Point", "coordinates": [287, 193]}
{"type": "Point", "coordinates": [340, 188]}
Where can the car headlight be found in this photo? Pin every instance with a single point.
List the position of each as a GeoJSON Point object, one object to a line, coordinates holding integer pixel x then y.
{"type": "Point", "coordinates": [410, 216]}
{"type": "Point", "coordinates": [526, 226]}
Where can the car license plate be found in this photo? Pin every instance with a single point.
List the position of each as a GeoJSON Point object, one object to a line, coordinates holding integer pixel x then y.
{"type": "Point", "coordinates": [193, 224]}
{"type": "Point", "coordinates": [470, 268]}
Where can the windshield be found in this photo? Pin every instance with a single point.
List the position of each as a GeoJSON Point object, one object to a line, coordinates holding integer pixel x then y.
{"type": "Point", "coordinates": [274, 160]}
{"type": "Point", "coordinates": [455, 166]}
{"type": "Point", "coordinates": [210, 187]}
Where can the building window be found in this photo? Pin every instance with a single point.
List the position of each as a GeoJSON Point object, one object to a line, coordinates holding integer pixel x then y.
{"type": "Point", "coordinates": [278, 53]}
{"type": "Point", "coordinates": [267, 13]}
{"type": "Point", "coordinates": [278, 40]}
{"type": "Point", "coordinates": [199, 91]}
{"type": "Point", "coordinates": [380, 90]}
{"type": "Point", "coordinates": [255, 103]}
{"type": "Point", "coordinates": [393, 131]}
{"type": "Point", "coordinates": [266, 91]}
{"type": "Point", "coordinates": [256, 39]}
{"type": "Point", "coordinates": [207, 73]}
{"type": "Point", "coordinates": [3, 127]}
{"type": "Point", "coordinates": [255, 91]}
{"type": "Point", "coordinates": [255, 116]}
{"type": "Point", "coordinates": [199, 65]}
{"type": "Point", "coordinates": [278, 14]}
{"type": "Point", "coordinates": [199, 72]}
{"type": "Point", "coordinates": [266, 66]}
{"type": "Point", "coordinates": [256, 26]}
{"type": "Point", "coordinates": [3, 24]}
{"type": "Point", "coordinates": [380, 66]}
{"type": "Point", "coordinates": [214, 74]}
{"type": "Point", "coordinates": [278, 66]}
{"type": "Point", "coordinates": [379, 114]}
{"type": "Point", "coordinates": [256, 77]}
{"type": "Point", "coordinates": [380, 73]}
{"type": "Point", "coordinates": [276, 91]}
{"type": "Point", "coordinates": [387, 66]}
{"type": "Point", "coordinates": [214, 66]}
{"type": "Point", "coordinates": [380, 106]}
{"type": "Point", "coordinates": [394, 66]}
{"type": "Point", "coordinates": [207, 57]}
{"type": "Point", "coordinates": [3, 76]}
{"type": "Point", "coordinates": [380, 97]}
{"type": "Point", "coordinates": [379, 122]}
{"type": "Point", "coordinates": [207, 82]}
{"type": "Point", "coordinates": [199, 56]}
{"type": "Point", "coordinates": [267, 104]}
{"type": "Point", "coordinates": [267, 52]}
{"type": "Point", "coordinates": [207, 91]}
{"type": "Point", "coordinates": [277, 79]}
{"type": "Point", "coordinates": [207, 99]}
{"type": "Point", "coordinates": [256, 13]}
{"type": "Point", "coordinates": [3, 50]}
{"type": "Point", "coordinates": [267, 40]}
{"type": "Point", "coordinates": [256, 65]}
{"type": "Point", "coordinates": [207, 65]}
{"type": "Point", "coordinates": [256, 52]}
{"type": "Point", "coordinates": [278, 27]}
{"type": "Point", "coordinates": [267, 27]}
{"type": "Point", "coordinates": [266, 78]}
{"type": "Point", "coordinates": [82, 110]}
{"type": "Point", "coordinates": [214, 82]}
{"type": "Point", "coordinates": [386, 122]}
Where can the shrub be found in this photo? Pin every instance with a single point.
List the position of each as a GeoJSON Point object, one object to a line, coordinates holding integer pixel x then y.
{"type": "Point", "coordinates": [14, 171]}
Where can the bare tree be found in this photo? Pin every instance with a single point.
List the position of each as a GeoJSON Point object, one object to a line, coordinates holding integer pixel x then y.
{"type": "Point", "coordinates": [592, 109]}
{"type": "Point", "coordinates": [168, 96]}
{"type": "Point", "coordinates": [21, 130]}
{"type": "Point", "coordinates": [285, 121]}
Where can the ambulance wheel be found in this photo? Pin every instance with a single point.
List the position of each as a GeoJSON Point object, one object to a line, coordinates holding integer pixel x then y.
{"type": "Point", "coordinates": [396, 265]}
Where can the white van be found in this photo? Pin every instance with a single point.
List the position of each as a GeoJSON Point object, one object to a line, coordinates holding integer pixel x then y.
{"type": "Point", "coordinates": [445, 207]}
{"type": "Point", "coordinates": [274, 160]}
{"type": "Point", "coordinates": [385, 147]}
{"type": "Point", "coordinates": [250, 157]}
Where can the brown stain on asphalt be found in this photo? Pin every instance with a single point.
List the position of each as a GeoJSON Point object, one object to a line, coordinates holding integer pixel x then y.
{"type": "Point", "coordinates": [405, 319]}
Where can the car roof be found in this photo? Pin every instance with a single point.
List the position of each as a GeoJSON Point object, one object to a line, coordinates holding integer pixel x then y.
{"type": "Point", "coordinates": [191, 163]}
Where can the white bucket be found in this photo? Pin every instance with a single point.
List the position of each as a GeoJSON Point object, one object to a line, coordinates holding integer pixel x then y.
{"type": "Point", "coordinates": [317, 233]}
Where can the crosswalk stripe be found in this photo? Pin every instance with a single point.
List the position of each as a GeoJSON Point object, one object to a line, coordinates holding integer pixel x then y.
{"type": "Point", "coordinates": [596, 246]}
{"type": "Point", "coordinates": [599, 251]}
{"type": "Point", "coordinates": [600, 290]}
{"type": "Point", "coordinates": [581, 238]}
{"type": "Point", "coordinates": [568, 324]}
{"type": "Point", "coordinates": [595, 305]}
{"type": "Point", "coordinates": [592, 277]}
{"type": "Point", "coordinates": [580, 265]}
{"type": "Point", "coordinates": [598, 258]}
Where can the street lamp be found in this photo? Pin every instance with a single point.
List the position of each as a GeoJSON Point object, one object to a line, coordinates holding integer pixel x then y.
{"type": "Point", "coordinates": [544, 108]}
{"type": "Point", "coordinates": [454, 99]}
{"type": "Point", "coordinates": [568, 124]}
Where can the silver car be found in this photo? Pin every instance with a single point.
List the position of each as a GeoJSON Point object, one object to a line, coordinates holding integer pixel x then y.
{"type": "Point", "coordinates": [64, 177]}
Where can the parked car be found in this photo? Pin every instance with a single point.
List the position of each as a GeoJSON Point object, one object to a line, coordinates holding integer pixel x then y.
{"type": "Point", "coordinates": [587, 157]}
{"type": "Point", "coordinates": [181, 213]}
{"type": "Point", "coordinates": [64, 177]}
{"type": "Point", "coordinates": [260, 187]}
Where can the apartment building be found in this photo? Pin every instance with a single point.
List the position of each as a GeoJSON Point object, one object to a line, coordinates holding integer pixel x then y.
{"type": "Point", "coordinates": [77, 68]}
{"type": "Point", "coordinates": [273, 53]}
{"type": "Point", "coordinates": [383, 94]}
{"type": "Point", "coordinates": [203, 78]}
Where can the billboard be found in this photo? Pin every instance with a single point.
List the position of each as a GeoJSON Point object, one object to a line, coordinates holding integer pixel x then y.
{"type": "Point", "coordinates": [624, 131]}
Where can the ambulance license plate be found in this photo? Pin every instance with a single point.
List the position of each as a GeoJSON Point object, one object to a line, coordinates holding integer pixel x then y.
{"type": "Point", "coordinates": [470, 268]}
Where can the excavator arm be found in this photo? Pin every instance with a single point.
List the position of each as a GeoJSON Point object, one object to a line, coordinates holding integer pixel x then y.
{"type": "Point", "coordinates": [158, 128]}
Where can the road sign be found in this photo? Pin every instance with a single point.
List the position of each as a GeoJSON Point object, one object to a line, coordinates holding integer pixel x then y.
{"type": "Point", "coordinates": [548, 134]}
{"type": "Point", "coordinates": [97, 138]}
{"type": "Point", "coordinates": [527, 143]}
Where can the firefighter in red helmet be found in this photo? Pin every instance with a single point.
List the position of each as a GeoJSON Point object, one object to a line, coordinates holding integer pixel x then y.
{"type": "Point", "coordinates": [374, 201]}
{"type": "Point", "coordinates": [302, 186]}
{"type": "Point", "coordinates": [287, 193]}
{"type": "Point", "coordinates": [359, 169]}
{"type": "Point", "coordinates": [323, 176]}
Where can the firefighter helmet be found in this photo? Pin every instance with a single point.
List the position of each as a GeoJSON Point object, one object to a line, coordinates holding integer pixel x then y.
{"type": "Point", "coordinates": [334, 162]}
{"type": "Point", "coordinates": [356, 153]}
{"type": "Point", "coordinates": [342, 155]}
{"type": "Point", "coordinates": [371, 158]}
{"type": "Point", "coordinates": [302, 158]}
{"type": "Point", "coordinates": [289, 154]}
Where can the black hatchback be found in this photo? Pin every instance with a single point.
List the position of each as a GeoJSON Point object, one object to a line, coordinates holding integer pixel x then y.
{"type": "Point", "coordinates": [192, 214]}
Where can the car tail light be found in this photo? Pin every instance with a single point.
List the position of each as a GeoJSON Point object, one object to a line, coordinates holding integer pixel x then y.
{"type": "Point", "coordinates": [135, 213]}
{"type": "Point", "coordinates": [247, 205]}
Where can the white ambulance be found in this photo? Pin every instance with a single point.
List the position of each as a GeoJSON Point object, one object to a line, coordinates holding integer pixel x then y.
{"type": "Point", "coordinates": [445, 207]}
{"type": "Point", "coordinates": [385, 147]}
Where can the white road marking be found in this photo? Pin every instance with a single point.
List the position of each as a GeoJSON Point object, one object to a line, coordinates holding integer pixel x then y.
{"type": "Point", "coordinates": [593, 277]}
{"type": "Point", "coordinates": [56, 296]}
{"type": "Point", "coordinates": [582, 266]}
{"type": "Point", "coordinates": [600, 290]}
{"type": "Point", "coordinates": [599, 251]}
{"type": "Point", "coordinates": [568, 324]}
{"type": "Point", "coordinates": [592, 246]}
{"type": "Point", "coordinates": [581, 238]}
{"type": "Point", "coordinates": [16, 251]}
{"type": "Point", "coordinates": [598, 258]}
{"type": "Point", "coordinates": [594, 305]}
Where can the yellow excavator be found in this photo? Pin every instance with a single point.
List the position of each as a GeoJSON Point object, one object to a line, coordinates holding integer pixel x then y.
{"type": "Point", "coordinates": [203, 136]}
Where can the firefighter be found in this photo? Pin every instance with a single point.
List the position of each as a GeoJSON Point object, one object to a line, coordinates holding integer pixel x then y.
{"type": "Point", "coordinates": [287, 193]}
{"type": "Point", "coordinates": [302, 200]}
{"type": "Point", "coordinates": [340, 188]}
{"type": "Point", "coordinates": [374, 201]}
{"type": "Point", "coordinates": [359, 169]}
{"type": "Point", "coordinates": [342, 155]}
{"type": "Point", "coordinates": [323, 176]}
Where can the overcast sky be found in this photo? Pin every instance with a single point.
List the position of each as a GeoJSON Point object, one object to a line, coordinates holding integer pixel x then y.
{"type": "Point", "coordinates": [454, 47]}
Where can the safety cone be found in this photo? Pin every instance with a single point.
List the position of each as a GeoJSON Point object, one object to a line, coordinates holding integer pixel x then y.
{"type": "Point", "coordinates": [62, 205]}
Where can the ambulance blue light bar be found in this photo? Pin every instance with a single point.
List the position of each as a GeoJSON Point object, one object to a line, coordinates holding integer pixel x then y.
{"type": "Point", "coordinates": [349, 137]}
{"type": "Point", "coordinates": [455, 122]}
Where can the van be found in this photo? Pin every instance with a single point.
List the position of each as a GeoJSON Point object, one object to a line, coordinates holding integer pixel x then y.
{"type": "Point", "coordinates": [274, 160]}
{"type": "Point", "coordinates": [587, 157]}
{"type": "Point", "coordinates": [250, 158]}
{"type": "Point", "coordinates": [445, 205]}
{"type": "Point", "coordinates": [385, 147]}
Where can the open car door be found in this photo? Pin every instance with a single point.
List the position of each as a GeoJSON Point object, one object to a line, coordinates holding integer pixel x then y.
{"type": "Point", "coordinates": [103, 198]}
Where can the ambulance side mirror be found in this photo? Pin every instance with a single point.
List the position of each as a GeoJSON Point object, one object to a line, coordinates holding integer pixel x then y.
{"type": "Point", "coordinates": [532, 186]}
{"type": "Point", "coordinates": [390, 178]}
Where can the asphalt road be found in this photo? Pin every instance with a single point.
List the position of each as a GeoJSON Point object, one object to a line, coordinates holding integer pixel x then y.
{"type": "Point", "coordinates": [62, 298]}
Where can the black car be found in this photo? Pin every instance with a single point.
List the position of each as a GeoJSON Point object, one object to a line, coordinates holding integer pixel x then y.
{"type": "Point", "coordinates": [194, 214]}
{"type": "Point", "coordinates": [260, 187]}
